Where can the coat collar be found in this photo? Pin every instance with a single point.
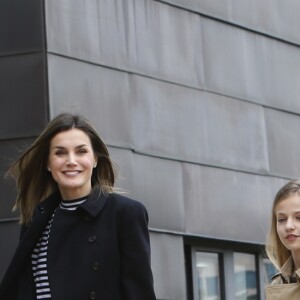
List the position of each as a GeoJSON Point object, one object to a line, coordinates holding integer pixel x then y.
{"type": "Point", "coordinates": [92, 206]}
{"type": "Point", "coordinates": [286, 272]}
{"type": "Point", "coordinates": [94, 203]}
{"type": "Point", "coordinates": [287, 269]}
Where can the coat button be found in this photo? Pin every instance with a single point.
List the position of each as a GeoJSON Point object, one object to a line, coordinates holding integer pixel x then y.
{"type": "Point", "coordinates": [95, 265]}
{"type": "Point", "coordinates": [92, 239]}
{"type": "Point", "coordinates": [92, 295]}
{"type": "Point", "coordinates": [41, 209]}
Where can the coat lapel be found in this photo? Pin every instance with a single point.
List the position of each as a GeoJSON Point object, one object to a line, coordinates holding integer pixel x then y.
{"type": "Point", "coordinates": [30, 237]}
{"type": "Point", "coordinates": [93, 206]}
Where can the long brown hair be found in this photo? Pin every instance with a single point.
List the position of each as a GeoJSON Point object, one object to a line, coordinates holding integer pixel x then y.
{"type": "Point", "coordinates": [33, 180]}
{"type": "Point", "coordinates": [276, 251]}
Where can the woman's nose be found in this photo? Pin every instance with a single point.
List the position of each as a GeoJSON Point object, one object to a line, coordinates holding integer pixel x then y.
{"type": "Point", "coordinates": [71, 159]}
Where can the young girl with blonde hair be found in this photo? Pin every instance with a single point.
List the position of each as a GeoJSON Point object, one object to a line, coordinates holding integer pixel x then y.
{"type": "Point", "coordinates": [283, 243]}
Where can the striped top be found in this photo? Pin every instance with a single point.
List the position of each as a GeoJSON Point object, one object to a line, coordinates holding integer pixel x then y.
{"type": "Point", "coordinates": [40, 251]}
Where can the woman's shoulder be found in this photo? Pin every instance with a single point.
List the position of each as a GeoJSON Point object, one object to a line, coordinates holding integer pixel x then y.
{"type": "Point", "coordinates": [123, 201]}
{"type": "Point", "coordinates": [127, 209]}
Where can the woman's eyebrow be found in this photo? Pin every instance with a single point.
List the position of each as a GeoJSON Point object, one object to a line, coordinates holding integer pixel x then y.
{"type": "Point", "coordinates": [82, 145]}
{"type": "Point", "coordinates": [62, 147]}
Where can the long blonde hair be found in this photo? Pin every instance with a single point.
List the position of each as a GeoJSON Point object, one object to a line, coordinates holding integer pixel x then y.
{"type": "Point", "coordinates": [33, 180]}
{"type": "Point", "coordinates": [276, 251]}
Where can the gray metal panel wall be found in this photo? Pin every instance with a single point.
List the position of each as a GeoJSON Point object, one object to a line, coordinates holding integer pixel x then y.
{"type": "Point", "coordinates": [268, 16]}
{"type": "Point", "coordinates": [283, 140]}
{"type": "Point", "coordinates": [23, 93]}
{"type": "Point", "coordinates": [197, 101]}
{"type": "Point", "coordinates": [172, 44]}
{"type": "Point", "coordinates": [9, 234]}
{"type": "Point", "coordinates": [140, 114]}
{"type": "Point", "coordinates": [167, 270]}
{"type": "Point", "coordinates": [22, 26]}
{"type": "Point", "coordinates": [23, 105]}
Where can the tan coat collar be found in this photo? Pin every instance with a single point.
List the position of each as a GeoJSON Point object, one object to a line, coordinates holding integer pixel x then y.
{"type": "Point", "coordinates": [286, 272]}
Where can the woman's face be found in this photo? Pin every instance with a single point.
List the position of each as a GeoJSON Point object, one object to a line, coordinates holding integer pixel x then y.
{"type": "Point", "coordinates": [71, 162]}
{"type": "Point", "coordinates": [287, 214]}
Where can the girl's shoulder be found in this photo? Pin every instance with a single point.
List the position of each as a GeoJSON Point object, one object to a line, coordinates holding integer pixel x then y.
{"type": "Point", "coordinates": [277, 279]}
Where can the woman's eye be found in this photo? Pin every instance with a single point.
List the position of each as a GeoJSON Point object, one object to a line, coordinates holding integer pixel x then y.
{"type": "Point", "coordinates": [82, 151]}
{"type": "Point", "coordinates": [298, 218]}
{"type": "Point", "coordinates": [60, 152]}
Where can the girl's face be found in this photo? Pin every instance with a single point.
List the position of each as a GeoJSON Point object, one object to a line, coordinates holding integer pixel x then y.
{"type": "Point", "coordinates": [287, 214]}
{"type": "Point", "coordinates": [71, 162]}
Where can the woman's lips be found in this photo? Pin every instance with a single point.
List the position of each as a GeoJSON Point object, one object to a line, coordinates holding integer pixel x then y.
{"type": "Point", "coordinates": [71, 173]}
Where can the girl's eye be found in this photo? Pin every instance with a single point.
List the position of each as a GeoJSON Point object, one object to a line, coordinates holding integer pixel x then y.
{"type": "Point", "coordinates": [280, 220]}
{"type": "Point", "coordinates": [298, 218]}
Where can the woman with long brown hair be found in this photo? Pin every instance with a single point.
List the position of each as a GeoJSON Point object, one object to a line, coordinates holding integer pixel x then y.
{"type": "Point", "coordinates": [79, 239]}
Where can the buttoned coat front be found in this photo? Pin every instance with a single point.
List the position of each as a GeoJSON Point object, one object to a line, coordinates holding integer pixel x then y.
{"type": "Point", "coordinates": [100, 251]}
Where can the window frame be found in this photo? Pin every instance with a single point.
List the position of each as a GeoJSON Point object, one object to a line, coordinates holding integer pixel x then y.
{"type": "Point", "coordinates": [225, 251]}
{"type": "Point", "coordinates": [195, 273]}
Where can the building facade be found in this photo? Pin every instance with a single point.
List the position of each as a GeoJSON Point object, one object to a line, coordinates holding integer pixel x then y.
{"type": "Point", "coordinates": [198, 103]}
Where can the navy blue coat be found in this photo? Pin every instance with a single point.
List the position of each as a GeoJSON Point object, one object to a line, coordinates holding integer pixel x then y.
{"type": "Point", "coordinates": [100, 251]}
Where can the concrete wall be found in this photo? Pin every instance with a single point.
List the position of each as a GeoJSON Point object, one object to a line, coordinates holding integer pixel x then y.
{"type": "Point", "coordinates": [198, 102]}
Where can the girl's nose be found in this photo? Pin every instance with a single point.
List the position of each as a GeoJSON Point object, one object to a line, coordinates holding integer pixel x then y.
{"type": "Point", "coordinates": [290, 225]}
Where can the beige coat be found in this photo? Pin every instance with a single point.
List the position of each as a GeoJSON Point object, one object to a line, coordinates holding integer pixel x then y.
{"type": "Point", "coordinates": [280, 287]}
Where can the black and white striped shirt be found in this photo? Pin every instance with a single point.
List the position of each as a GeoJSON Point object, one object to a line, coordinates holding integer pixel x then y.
{"type": "Point", "coordinates": [39, 254]}
{"type": "Point", "coordinates": [39, 264]}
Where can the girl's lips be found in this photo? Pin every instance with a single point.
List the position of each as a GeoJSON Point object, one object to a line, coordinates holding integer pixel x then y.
{"type": "Point", "coordinates": [291, 237]}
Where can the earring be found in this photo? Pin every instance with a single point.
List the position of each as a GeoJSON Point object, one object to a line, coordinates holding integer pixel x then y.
{"type": "Point", "coordinates": [49, 169]}
{"type": "Point", "coordinates": [95, 165]}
